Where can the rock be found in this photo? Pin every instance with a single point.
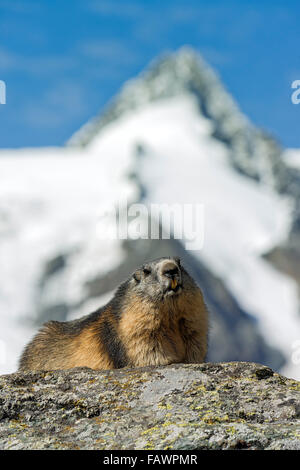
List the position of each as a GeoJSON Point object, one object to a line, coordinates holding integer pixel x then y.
{"type": "Point", "coordinates": [234, 405]}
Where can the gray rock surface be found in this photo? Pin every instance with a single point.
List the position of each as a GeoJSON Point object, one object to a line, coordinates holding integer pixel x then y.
{"type": "Point", "coordinates": [234, 405]}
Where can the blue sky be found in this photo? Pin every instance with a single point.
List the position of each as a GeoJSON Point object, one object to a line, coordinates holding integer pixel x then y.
{"type": "Point", "coordinates": [63, 60]}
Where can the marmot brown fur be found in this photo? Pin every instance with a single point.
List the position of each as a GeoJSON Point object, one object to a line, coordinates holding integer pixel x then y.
{"type": "Point", "coordinates": [156, 317]}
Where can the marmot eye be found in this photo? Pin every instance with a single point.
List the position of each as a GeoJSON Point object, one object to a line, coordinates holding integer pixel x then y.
{"type": "Point", "coordinates": [146, 271]}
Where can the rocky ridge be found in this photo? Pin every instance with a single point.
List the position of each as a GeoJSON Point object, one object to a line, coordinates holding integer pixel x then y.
{"type": "Point", "coordinates": [198, 406]}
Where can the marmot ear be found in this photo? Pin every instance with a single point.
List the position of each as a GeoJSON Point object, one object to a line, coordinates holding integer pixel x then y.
{"type": "Point", "coordinates": [137, 276]}
{"type": "Point", "coordinates": [177, 259]}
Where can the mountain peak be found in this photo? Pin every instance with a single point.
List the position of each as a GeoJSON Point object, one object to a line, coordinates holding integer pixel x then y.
{"type": "Point", "coordinates": [182, 67]}
{"type": "Point", "coordinates": [251, 152]}
{"type": "Point", "coordinates": [171, 74]}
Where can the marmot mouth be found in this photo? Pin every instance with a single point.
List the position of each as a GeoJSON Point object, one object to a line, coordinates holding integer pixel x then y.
{"type": "Point", "coordinates": [173, 291]}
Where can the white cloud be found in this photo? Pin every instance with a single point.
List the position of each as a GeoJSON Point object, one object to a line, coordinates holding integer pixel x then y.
{"type": "Point", "coordinates": [19, 6]}
{"type": "Point", "coordinates": [60, 103]}
{"type": "Point", "coordinates": [123, 9]}
{"type": "Point", "coordinates": [109, 50]}
{"type": "Point", "coordinates": [38, 66]}
{"type": "Point", "coordinates": [215, 56]}
{"type": "Point", "coordinates": [8, 60]}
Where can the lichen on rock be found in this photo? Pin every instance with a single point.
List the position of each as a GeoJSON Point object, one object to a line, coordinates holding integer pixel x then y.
{"type": "Point", "coordinates": [234, 405]}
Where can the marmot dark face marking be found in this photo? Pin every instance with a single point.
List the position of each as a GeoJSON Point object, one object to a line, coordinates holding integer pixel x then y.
{"type": "Point", "coordinates": [156, 317]}
{"type": "Point", "coordinates": [159, 280]}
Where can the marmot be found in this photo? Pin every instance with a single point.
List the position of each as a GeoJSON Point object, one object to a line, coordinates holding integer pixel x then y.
{"type": "Point", "coordinates": [156, 317]}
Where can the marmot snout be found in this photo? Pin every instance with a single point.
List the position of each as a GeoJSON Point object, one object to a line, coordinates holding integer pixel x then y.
{"type": "Point", "coordinates": [158, 280]}
{"type": "Point", "coordinates": [156, 317]}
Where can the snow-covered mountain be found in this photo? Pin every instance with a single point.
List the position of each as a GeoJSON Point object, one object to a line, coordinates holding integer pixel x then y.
{"type": "Point", "coordinates": [173, 135]}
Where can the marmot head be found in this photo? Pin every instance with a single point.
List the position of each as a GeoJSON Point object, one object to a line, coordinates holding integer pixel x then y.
{"type": "Point", "coordinates": [160, 279]}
